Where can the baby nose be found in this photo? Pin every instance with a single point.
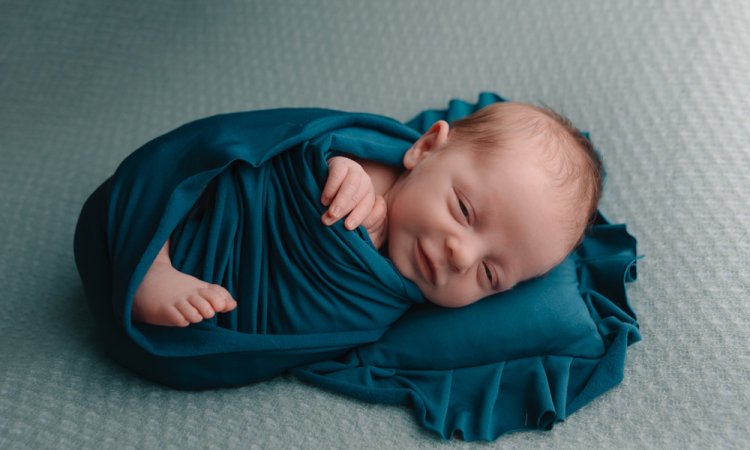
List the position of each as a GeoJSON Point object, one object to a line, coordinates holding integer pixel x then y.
{"type": "Point", "coordinates": [462, 253]}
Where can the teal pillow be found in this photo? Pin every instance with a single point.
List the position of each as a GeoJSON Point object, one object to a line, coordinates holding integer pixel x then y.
{"type": "Point", "coordinates": [545, 316]}
{"type": "Point", "coordinates": [522, 359]}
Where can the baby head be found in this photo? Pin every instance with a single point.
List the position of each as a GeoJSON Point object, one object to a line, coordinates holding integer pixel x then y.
{"type": "Point", "coordinates": [497, 198]}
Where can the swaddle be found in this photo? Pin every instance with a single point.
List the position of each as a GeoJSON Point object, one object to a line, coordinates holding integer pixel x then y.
{"type": "Point", "coordinates": [304, 290]}
{"type": "Point", "coordinates": [239, 197]}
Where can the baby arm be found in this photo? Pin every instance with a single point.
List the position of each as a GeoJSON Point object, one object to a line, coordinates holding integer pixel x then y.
{"type": "Point", "coordinates": [349, 190]}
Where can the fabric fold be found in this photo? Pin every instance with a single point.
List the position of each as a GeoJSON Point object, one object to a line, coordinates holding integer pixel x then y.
{"type": "Point", "coordinates": [238, 196]}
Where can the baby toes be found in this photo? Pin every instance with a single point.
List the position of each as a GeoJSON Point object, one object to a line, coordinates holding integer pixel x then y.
{"type": "Point", "coordinates": [219, 297]}
{"type": "Point", "coordinates": [176, 318]}
{"type": "Point", "coordinates": [188, 311]}
{"type": "Point", "coordinates": [202, 305]}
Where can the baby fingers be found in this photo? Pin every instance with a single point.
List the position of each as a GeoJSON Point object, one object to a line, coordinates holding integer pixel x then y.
{"type": "Point", "coordinates": [376, 216]}
{"type": "Point", "coordinates": [343, 178]}
{"type": "Point", "coordinates": [361, 211]}
{"type": "Point", "coordinates": [354, 189]}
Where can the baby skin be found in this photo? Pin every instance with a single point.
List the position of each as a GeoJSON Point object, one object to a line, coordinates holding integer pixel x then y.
{"type": "Point", "coordinates": [169, 297]}
{"type": "Point", "coordinates": [460, 224]}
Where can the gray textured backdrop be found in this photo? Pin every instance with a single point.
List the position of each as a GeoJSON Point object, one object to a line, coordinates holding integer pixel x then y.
{"type": "Point", "coordinates": [662, 86]}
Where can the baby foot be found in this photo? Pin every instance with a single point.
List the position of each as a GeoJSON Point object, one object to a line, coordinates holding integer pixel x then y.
{"type": "Point", "coordinates": [169, 297]}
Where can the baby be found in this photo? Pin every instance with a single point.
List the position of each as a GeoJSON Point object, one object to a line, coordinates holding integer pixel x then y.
{"type": "Point", "coordinates": [497, 198]}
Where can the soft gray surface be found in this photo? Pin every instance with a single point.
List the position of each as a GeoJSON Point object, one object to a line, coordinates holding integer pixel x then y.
{"type": "Point", "coordinates": [662, 86]}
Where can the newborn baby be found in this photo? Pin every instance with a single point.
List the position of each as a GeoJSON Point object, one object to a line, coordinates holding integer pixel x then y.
{"type": "Point", "coordinates": [497, 198]}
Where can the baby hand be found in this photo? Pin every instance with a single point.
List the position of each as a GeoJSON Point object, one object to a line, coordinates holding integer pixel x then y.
{"type": "Point", "coordinates": [349, 190]}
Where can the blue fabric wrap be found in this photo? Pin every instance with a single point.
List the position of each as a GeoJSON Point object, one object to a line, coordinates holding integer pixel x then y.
{"type": "Point", "coordinates": [239, 195]}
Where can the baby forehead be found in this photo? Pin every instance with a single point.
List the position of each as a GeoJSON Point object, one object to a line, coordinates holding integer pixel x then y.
{"type": "Point", "coordinates": [553, 152]}
{"type": "Point", "coordinates": [520, 183]}
{"type": "Point", "coordinates": [510, 157]}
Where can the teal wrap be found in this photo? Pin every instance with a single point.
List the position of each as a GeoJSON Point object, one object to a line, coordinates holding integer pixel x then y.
{"type": "Point", "coordinates": [239, 197]}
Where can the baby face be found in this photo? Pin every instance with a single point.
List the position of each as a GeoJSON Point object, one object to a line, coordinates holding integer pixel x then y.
{"type": "Point", "coordinates": [462, 226]}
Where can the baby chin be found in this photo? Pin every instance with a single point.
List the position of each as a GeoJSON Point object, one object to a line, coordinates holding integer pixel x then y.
{"type": "Point", "coordinates": [405, 263]}
{"type": "Point", "coordinates": [414, 267]}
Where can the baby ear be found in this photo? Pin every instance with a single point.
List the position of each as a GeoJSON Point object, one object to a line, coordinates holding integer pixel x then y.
{"type": "Point", "coordinates": [432, 139]}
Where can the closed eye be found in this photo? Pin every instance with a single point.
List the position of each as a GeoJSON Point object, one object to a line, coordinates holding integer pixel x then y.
{"type": "Point", "coordinates": [464, 210]}
{"type": "Point", "coordinates": [488, 272]}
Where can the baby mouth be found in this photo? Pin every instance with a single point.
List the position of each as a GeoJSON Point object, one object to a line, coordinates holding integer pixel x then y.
{"type": "Point", "coordinates": [425, 265]}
